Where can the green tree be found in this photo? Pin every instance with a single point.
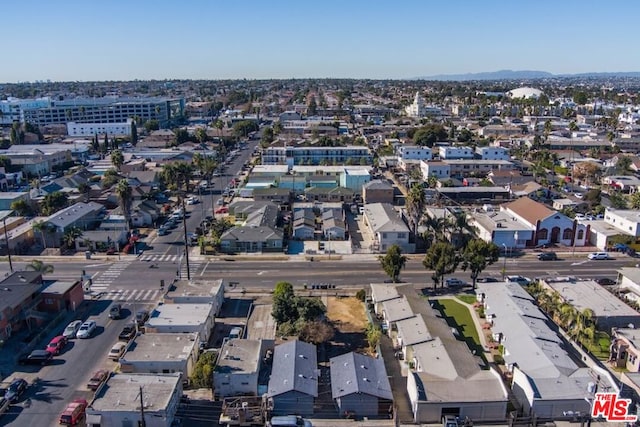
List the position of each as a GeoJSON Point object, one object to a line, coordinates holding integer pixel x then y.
{"type": "Point", "coordinates": [477, 256]}
{"type": "Point", "coordinates": [70, 236]}
{"type": "Point", "coordinates": [53, 202]}
{"type": "Point", "coordinates": [244, 128]}
{"type": "Point", "coordinates": [201, 135]}
{"type": "Point", "coordinates": [40, 267]}
{"type": "Point", "coordinates": [85, 190]}
{"type": "Point", "coordinates": [42, 228]}
{"type": "Point", "coordinates": [117, 159]}
{"type": "Point", "coordinates": [109, 178]}
{"type": "Point", "coordinates": [5, 162]}
{"type": "Point", "coordinates": [393, 262]}
{"type": "Point", "coordinates": [22, 208]}
{"type": "Point", "coordinates": [580, 98]}
{"type": "Point", "coordinates": [105, 144]}
{"type": "Point", "coordinates": [151, 125]}
{"type": "Point", "coordinates": [310, 309]}
{"type": "Point", "coordinates": [125, 193]}
{"type": "Point", "coordinates": [202, 376]}
{"type": "Point", "coordinates": [267, 135]}
{"type": "Point", "coordinates": [430, 134]}
{"type": "Point", "coordinates": [284, 305]}
{"type": "Point", "coordinates": [623, 164]}
{"type": "Point", "coordinates": [373, 334]}
{"type": "Point", "coordinates": [219, 124]}
{"type": "Point", "coordinates": [442, 258]}
{"type": "Point", "coordinates": [634, 201]}
{"type": "Point", "coordinates": [617, 200]}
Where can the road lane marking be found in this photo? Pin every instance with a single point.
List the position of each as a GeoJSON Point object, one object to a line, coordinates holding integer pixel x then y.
{"type": "Point", "coordinates": [205, 268]}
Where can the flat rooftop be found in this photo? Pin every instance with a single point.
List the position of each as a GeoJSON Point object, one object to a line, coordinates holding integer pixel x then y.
{"type": "Point", "coordinates": [121, 393]}
{"type": "Point", "coordinates": [161, 347]}
{"type": "Point", "coordinates": [60, 287]}
{"type": "Point", "coordinates": [239, 356]}
{"type": "Point", "coordinates": [194, 288]}
{"type": "Point", "coordinates": [180, 314]}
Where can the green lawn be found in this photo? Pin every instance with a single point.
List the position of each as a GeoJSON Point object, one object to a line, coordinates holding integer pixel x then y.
{"type": "Point", "coordinates": [469, 299]}
{"type": "Point", "coordinates": [600, 347]}
{"type": "Point", "coordinates": [458, 316]}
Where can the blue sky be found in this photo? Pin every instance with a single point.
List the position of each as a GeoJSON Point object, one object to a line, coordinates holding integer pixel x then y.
{"type": "Point", "coordinates": [254, 39]}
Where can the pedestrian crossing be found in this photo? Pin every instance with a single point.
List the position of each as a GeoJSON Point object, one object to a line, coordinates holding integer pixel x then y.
{"type": "Point", "coordinates": [107, 277]}
{"type": "Point", "coordinates": [133, 295]}
{"type": "Point", "coordinates": [193, 268]}
{"type": "Point", "coordinates": [160, 258]}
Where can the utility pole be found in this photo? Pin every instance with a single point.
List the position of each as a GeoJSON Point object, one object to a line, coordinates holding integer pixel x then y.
{"type": "Point", "coordinates": [142, 422]}
{"type": "Point", "coordinates": [6, 241]}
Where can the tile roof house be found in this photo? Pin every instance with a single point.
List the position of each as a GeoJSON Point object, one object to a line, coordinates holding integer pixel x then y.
{"type": "Point", "coordinates": [293, 386]}
{"type": "Point", "coordinates": [359, 385]}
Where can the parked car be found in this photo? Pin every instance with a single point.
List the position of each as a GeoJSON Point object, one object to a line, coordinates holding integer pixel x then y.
{"type": "Point", "coordinates": [72, 329]}
{"type": "Point", "coordinates": [36, 357]}
{"type": "Point", "coordinates": [454, 281]}
{"type": "Point", "coordinates": [486, 280]}
{"type": "Point", "coordinates": [86, 329]}
{"type": "Point", "coordinates": [97, 379]}
{"type": "Point", "coordinates": [235, 333]}
{"type": "Point", "coordinates": [15, 390]}
{"type": "Point", "coordinates": [193, 200]}
{"type": "Point", "coordinates": [117, 350]}
{"type": "Point", "coordinates": [142, 316]}
{"type": "Point", "coordinates": [548, 256]}
{"type": "Point", "coordinates": [115, 311]}
{"type": "Point", "coordinates": [163, 231]}
{"type": "Point", "coordinates": [128, 332]}
{"type": "Point", "coordinates": [57, 344]}
{"type": "Point", "coordinates": [74, 412]}
{"type": "Point", "coordinates": [605, 281]}
{"type": "Point", "coordinates": [521, 280]}
{"type": "Point", "coordinates": [598, 255]}
{"type": "Point", "coordinates": [222, 210]}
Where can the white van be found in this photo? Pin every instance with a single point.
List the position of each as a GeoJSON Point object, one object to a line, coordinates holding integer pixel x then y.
{"type": "Point", "coordinates": [289, 421]}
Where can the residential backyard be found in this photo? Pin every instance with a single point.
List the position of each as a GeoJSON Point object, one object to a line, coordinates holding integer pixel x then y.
{"type": "Point", "coordinates": [458, 316]}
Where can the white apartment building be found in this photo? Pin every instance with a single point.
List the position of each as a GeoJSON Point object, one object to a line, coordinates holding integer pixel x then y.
{"type": "Point", "coordinates": [450, 152]}
{"type": "Point", "coordinates": [90, 129]}
{"type": "Point", "coordinates": [627, 221]}
{"type": "Point", "coordinates": [414, 152]}
{"type": "Point", "coordinates": [419, 109]}
{"type": "Point", "coordinates": [441, 170]}
{"type": "Point", "coordinates": [492, 153]}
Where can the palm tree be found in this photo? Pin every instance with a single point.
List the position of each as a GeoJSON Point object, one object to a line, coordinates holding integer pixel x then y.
{"type": "Point", "coordinates": [117, 159]}
{"type": "Point", "coordinates": [85, 190]}
{"type": "Point", "coordinates": [415, 205]}
{"type": "Point", "coordinates": [40, 267]}
{"type": "Point", "coordinates": [124, 192]}
{"type": "Point", "coordinates": [70, 236]}
{"type": "Point", "coordinates": [42, 228]}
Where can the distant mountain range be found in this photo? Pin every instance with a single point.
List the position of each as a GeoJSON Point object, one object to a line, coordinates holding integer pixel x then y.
{"type": "Point", "coordinates": [521, 75]}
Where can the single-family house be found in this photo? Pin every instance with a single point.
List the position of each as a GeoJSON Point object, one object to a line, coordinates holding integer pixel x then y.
{"type": "Point", "coordinates": [293, 386]}
{"type": "Point", "coordinates": [387, 227]}
{"type": "Point", "coordinates": [360, 386]}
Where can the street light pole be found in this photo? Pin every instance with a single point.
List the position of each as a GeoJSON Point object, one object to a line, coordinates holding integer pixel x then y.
{"type": "Point", "coordinates": [186, 243]}
{"type": "Point", "coordinates": [504, 263]}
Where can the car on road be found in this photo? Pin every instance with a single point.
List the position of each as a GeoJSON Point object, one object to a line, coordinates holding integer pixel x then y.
{"type": "Point", "coordinates": [15, 389]}
{"type": "Point", "coordinates": [97, 379]}
{"type": "Point", "coordinates": [127, 333]}
{"type": "Point", "coordinates": [74, 412]}
{"type": "Point", "coordinates": [57, 344]}
{"type": "Point", "coordinates": [487, 280]}
{"type": "Point", "coordinates": [86, 329]}
{"type": "Point", "coordinates": [605, 281]}
{"type": "Point", "coordinates": [72, 329]}
{"type": "Point", "coordinates": [117, 350]}
{"type": "Point", "coordinates": [163, 231]}
{"type": "Point", "coordinates": [598, 256]}
{"type": "Point", "coordinates": [222, 210]}
{"type": "Point", "coordinates": [454, 282]}
{"type": "Point", "coordinates": [193, 200]}
{"type": "Point", "coordinates": [521, 280]}
{"type": "Point", "coordinates": [548, 256]}
{"type": "Point", "coordinates": [142, 316]}
{"type": "Point", "coordinates": [115, 311]}
{"type": "Point", "coordinates": [36, 357]}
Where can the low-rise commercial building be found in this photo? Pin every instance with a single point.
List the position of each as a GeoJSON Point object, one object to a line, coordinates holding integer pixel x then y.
{"type": "Point", "coordinates": [161, 354]}
{"type": "Point", "coordinates": [238, 367]}
{"type": "Point", "coordinates": [182, 318]}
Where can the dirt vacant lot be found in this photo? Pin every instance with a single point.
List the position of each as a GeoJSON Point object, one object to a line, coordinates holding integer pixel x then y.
{"type": "Point", "coordinates": [346, 314]}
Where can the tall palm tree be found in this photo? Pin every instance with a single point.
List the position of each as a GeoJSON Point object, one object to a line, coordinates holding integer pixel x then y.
{"type": "Point", "coordinates": [40, 267]}
{"type": "Point", "coordinates": [125, 194]}
{"type": "Point", "coordinates": [117, 159]}
{"type": "Point", "coordinates": [42, 228]}
{"type": "Point", "coordinates": [415, 205]}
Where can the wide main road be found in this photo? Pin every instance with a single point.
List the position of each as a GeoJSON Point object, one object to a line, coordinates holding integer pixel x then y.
{"type": "Point", "coordinates": [349, 271]}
